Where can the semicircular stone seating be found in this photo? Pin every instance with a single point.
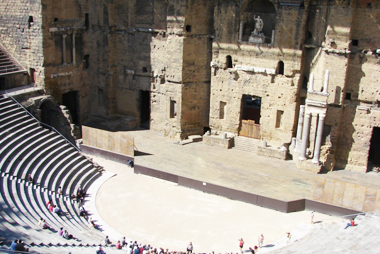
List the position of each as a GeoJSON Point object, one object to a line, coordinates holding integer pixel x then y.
{"type": "Point", "coordinates": [28, 148]}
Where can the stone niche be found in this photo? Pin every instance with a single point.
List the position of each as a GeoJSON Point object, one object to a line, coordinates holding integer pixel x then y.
{"type": "Point", "coordinates": [257, 22]}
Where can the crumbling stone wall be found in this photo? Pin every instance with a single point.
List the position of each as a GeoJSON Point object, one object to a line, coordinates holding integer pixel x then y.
{"type": "Point", "coordinates": [21, 35]}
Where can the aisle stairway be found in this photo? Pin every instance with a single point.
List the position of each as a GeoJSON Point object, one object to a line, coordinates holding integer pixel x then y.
{"type": "Point", "coordinates": [7, 64]}
{"type": "Point", "coordinates": [245, 144]}
{"type": "Point", "coordinates": [28, 148]}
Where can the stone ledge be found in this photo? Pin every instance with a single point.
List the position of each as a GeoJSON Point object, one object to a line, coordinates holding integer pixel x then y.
{"type": "Point", "coordinates": [308, 165]}
{"type": "Point", "coordinates": [272, 152]}
{"type": "Point", "coordinates": [218, 140]}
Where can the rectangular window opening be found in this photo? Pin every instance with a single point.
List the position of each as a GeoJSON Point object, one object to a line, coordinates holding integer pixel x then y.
{"type": "Point", "coordinates": [348, 96]}
{"type": "Point", "coordinates": [173, 108]}
{"type": "Point", "coordinates": [279, 118]}
{"type": "Point", "coordinates": [100, 97]}
{"type": "Point", "coordinates": [355, 43]}
{"type": "Point", "coordinates": [222, 109]}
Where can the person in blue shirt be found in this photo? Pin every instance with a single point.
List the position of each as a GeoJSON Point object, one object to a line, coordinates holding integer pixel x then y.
{"type": "Point", "coordinates": [14, 244]}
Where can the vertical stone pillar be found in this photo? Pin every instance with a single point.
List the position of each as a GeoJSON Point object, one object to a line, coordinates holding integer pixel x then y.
{"type": "Point", "coordinates": [73, 47]}
{"type": "Point", "coordinates": [299, 128]}
{"type": "Point", "coordinates": [326, 83]}
{"type": "Point", "coordinates": [310, 87]}
{"type": "Point", "coordinates": [318, 141]}
{"type": "Point", "coordinates": [241, 30]}
{"type": "Point", "coordinates": [305, 136]}
{"type": "Point", "coordinates": [64, 48]}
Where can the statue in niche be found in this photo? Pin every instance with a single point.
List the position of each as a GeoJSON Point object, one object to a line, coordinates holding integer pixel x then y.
{"type": "Point", "coordinates": [259, 24]}
{"type": "Point", "coordinates": [256, 35]}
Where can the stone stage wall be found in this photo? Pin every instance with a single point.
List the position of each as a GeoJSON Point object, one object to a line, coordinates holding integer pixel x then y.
{"type": "Point", "coordinates": [117, 142]}
{"type": "Point", "coordinates": [347, 195]}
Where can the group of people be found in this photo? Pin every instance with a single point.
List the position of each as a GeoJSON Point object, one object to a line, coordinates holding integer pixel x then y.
{"type": "Point", "coordinates": [19, 245]}
{"type": "Point", "coordinates": [253, 250]}
{"type": "Point", "coordinates": [66, 235]}
{"type": "Point", "coordinates": [53, 208]}
{"type": "Point", "coordinates": [80, 195]}
{"type": "Point", "coordinates": [43, 224]}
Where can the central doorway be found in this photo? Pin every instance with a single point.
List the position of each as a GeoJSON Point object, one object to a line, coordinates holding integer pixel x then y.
{"type": "Point", "coordinates": [250, 116]}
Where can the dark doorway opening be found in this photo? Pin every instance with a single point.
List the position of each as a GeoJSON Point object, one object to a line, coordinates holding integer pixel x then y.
{"type": "Point", "coordinates": [145, 109]}
{"type": "Point", "coordinates": [2, 83]}
{"type": "Point", "coordinates": [280, 68]}
{"type": "Point", "coordinates": [374, 150]}
{"type": "Point", "coordinates": [48, 113]}
{"type": "Point", "coordinates": [251, 108]}
{"type": "Point", "coordinates": [228, 61]}
{"type": "Point", "coordinates": [71, 101]}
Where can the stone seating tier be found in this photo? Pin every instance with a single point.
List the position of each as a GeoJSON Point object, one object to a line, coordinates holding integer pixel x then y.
{"type": "Point", "coordinates": [27, 148]}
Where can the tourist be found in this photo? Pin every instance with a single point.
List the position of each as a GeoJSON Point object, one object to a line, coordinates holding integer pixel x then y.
{"type": "Point", "coordinates": [51, 208]}
{"type": "Point", "coordinates": [44, 225]}
{"type": "Point", "coordinates": [60, 232]}
{"type": "Point", "coordinates": [241, 244]}
{"type": "Point", "coordinates": [136, 250]}
{"type": "Point", "coordinates": [57, 210]}
{"type": "Point", "coordinates": [123, 242]}
{"type": "Point", "coordinates": [60, 190]}
{"type": "Point", "coordinates": [261, 240]}
{"type": "Point", "coordinates": [49, 203]}
{"type": "Point", "coordinates": [350, 224]}
{"type": "Point", "coordinates": [30, 179]}
{"type": "Point", "coordinates": [68, 236]}
{"type": "Point", "coordinates": [21, 246]}
{"type": "Point", "coordinates": [100, 250]}
{"type": "Point", "coordinates": [40, 222]}
{"type": "Point", "coordinates": [14, 244]}
{"type": "Point", "coordinates": [288, 236]}
{"type": "Point", "coordinates": [190, 248]}
{"type": "Point", "coordinates": [254, 250]}
{"type": "Point", "coordinates": [312, 217]}
{"type": "Point", "coordinates": [118, 245]}
{"type": "Point", "coordinates": [107, 241]}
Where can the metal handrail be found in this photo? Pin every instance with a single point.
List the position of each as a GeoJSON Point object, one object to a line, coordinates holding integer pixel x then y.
{"type": "Point", "coordinates": [41, 123]}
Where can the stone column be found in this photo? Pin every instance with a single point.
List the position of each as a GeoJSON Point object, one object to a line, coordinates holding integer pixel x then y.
{"type": "Point", "coordinates": [73, 47]}
{"type": "Point", "coordinates": [305, 136]}
{"type": "Point", "coordinates": [241, 31]}
{"type": "Point", "coordinates": [299, 128]}
{"type": "Point", "coordinates": [326, 83]}
{"type": "Point", "coordinates": [64, 48]}
{"type": "Point", "coordinates": [318, 141]}
{"type": "Point", "coordinates": [310, 87]}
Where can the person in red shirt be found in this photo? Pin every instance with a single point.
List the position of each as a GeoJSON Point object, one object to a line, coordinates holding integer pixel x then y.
{"type": "Point", "coordinates": [118, 245]}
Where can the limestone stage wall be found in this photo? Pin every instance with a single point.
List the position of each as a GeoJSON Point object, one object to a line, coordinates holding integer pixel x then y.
{"type": "Point", "coordinates": [117, 142]}
{"type": "Point", "coordinates": [348, 195]}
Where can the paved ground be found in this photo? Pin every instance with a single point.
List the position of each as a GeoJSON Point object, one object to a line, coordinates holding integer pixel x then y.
{"type": "Point", "coordinates": [169, 216]}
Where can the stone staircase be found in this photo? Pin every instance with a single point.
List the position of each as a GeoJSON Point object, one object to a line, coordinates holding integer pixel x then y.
{"type": "Point", "coordinates": [245, 144]}
{"type": "Point", "coordinates": [7, 64]}
{"type": "Point", "coordinates": [28, 148]}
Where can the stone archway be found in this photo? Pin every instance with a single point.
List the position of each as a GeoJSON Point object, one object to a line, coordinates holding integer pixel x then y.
{"type": "Point", "coordinates": [49, 112]}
